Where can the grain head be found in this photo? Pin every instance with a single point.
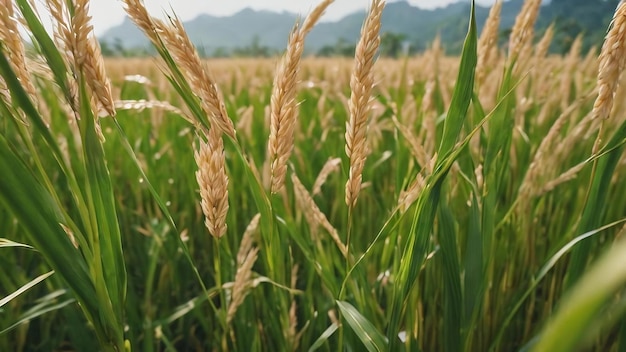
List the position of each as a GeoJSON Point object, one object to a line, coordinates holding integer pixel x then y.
{"type": "Point", "coordinates": [361, 83]}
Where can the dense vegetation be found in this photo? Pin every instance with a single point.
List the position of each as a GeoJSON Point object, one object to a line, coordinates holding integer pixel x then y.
{"type": "Point", "coordinates": [470, 203]}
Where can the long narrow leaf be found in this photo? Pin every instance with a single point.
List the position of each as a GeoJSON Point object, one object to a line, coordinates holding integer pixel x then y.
{"type": "Point", "coordinates": [25, 288]}
{"type": "Point", "coordinates": [372, 339]}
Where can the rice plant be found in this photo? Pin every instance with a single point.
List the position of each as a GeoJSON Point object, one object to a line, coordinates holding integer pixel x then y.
{"type": "Point", "coordinates": [470, 203]}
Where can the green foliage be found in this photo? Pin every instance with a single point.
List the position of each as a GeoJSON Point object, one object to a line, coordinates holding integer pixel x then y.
{"type": "Point", "coordinates": [104, 244]}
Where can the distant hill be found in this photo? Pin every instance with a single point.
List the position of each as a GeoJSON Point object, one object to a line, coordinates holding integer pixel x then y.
{"type": "Point", "coordinates": [270, 30]}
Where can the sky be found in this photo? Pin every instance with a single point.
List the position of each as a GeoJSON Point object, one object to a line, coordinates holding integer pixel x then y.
{"type": "Point", "coordinates": [109, 13]}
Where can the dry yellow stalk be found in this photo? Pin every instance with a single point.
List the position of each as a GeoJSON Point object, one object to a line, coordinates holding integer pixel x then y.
{"type": "Point", "coordinates": [562, 178]}
{"type": "Point", "coordinates": [417, 149]}
{"type": "Point", "coordinates": [487, 44]}
{"type": "Point", "coordinates": [70, 234]}
{"type": "Point", "coordinates": [409, 196]}
{"type": "Point", "coordinates": [97, 78]}
{"type": "Point", "coordinates": [184, 53]}
{"type": "Point", "coordinates": [283, 101]}
{"type": "Point", "coordinates": [284, 111]}
{"type": "Point", "coordinates": [313, 214]}
{"type": "Point", "coordinates": [244, 125]}
{"type": "Point", "coordinates": [523, 29]}
{"type": "Point", "coordinates": [569, 72]}
{"type": "Point", "coordinates": [247, 240]}
{"type": "Point", "coordinates": [361, 83]}
{"type": "Point", "coordinates": [331, 165]}
{"type": "Point", "coordinates": [542, 47]}
{"type": "Point", "coordinates": [292, 334]}
{"type": "Point", "coordinates": [545, 156]}
{"type": "Point", "coordinates": [13, 46]}
{"type": "Point", "coordinates": [75, 37]}
{"type": "Point", "coordinates": [5, 95]}
{"type": "Point", "coordinates": [137, 12]}
{"type": "Point", "coordinates": [242, 284]}
{"type": "Point", "coordinates": [314, 16]}
{"type": "Point", "coordinates": [63, 40]}
{"type": "Point", "coordinates": [612, 60]}
{"type": "Point", "coordinates": [213, 182]}
{"type": "Point", "coordinates": [62, 31]}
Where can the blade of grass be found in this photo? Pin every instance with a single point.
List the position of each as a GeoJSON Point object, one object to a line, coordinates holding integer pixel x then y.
{"type": "Point", "coordinates": [418, 239]}
{"type": "Point", "coordinates": [25, 288]}
{"type": "Point", "coordinates": [596, 202]}
{"type": "Point", "coordinates": [449, 262]}
{"type": "Point", "coordinates": [371, 338]}
{"type": "Point", "coordinates": [542, 273]}
{"type": "Point", "coordinates": [324, 337]}
{"type": "Point", "coordinates": [577, 312]}
{"type": "Point", "coordinates": [7, 243]}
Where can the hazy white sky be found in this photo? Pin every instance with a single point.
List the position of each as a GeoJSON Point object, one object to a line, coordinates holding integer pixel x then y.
{"type": "Point", "coordinates": [108, 13]}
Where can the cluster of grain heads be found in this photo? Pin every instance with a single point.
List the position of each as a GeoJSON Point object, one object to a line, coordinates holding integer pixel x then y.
{"type": "Point", "coordinates": [188, 73]}
{"type": "Point", "coordinates": [314, 216]}
{"type": "Point", "coordinates": [75, 228]}
{"type": "Point", "coordinates": [14, 49]}
{"type": "Point", "coordinates": [331, 166]}
{"type": "Point", "coordinates": [283, 100]}
{"type": "Point", "coordinates": [201, 82]}
{"type": "Point", "coordinates": [75, 34]}
{"type": "Point", "coordinates": [521, 37]}
{"type": "Point", "coordinates": [246, 257]}
{"type": "Point", "coordinates": [361, 83]}
{"type": "Point", "coordinates": [293, 336]}
{"type": "Point", "coordinates": [213, 182]}
{"type": "Point", "coordinates": [612, 60]}
{"type": "Point", "coordinates": [488, 43]}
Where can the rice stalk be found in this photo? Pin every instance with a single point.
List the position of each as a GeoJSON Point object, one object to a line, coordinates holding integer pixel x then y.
{"type": "Point", "coordinates": [331, 165]}
{"type": "Point", "coordinates": [361, 83]}
{"type": "Point", "coordinates": [523, 30]}
{"type": "Point", "coordinates": [315, 217]}
{"type": "Point", "coordinates": [284, 108]}
{"type": "Point", "coordinates": [14, 47]}
{"type": "Point", "coordinates": [213, 182]}
{"type": "Point", "coordinates": [242, 284]}
{"type": "Point", "coordinates": [488, 43]}
{"type": "Point", "coordinates": [201, 81]}
{"type": "Point", "coordinates": [611, 64]}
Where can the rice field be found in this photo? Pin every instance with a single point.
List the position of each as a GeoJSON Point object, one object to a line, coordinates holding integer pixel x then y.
{"type": "Point", "coordinates": [427, 203]}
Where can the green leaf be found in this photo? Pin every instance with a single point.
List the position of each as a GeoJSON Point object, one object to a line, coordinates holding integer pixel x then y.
{"type": "Point", "coordinates": [35, 209]}
{"type": "Point", "coordinates": [6, 243]}
{"type": "Point", "coordinates": [25, 288]}
{"type": "Point", "coordinates": [596, 203]}
{"type": "Point", "coordinates": [577, 313]}
{"type": "Point", "coordinates": [449, 261]}
{"type": "Point", "coordinates": [324, 337]}
{"type": "Point", "coordinates": [463, 90]}
{"type": "Point", "coordinates": [418, 239]}
{"type": "Point", "coordinates": [372, 339]}
{"type": "Point", "coordinates": [41, 309]}
{"type": "Point", "coordinates": [543, 272]}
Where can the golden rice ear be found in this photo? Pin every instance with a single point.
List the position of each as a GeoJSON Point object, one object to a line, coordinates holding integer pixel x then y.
{"type": "Point", "coordinates": [284, 107]}
{"type": "Point", "coordinates": [14, 47]}
{"type": "Point", "coordinates": [213, 182]}
{"type": "Point", "coordinates": [201, 81]}
{"type": "Point", "coordinates": [523, 29]}
{"type": "Point", "coordinates": [612, 60]}
{"type": "Point", "coordinates": [361, 83]}
{"type": "Point", "coordinates": [487, 44]}
{"type": "Point", "coordinates": [314, 216]}
{"type": "Point", "coordinates": [242, 284]}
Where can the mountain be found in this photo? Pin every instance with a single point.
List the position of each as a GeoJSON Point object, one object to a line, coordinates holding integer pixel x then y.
{"type": "Point", "coordinates": [270, 30]}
